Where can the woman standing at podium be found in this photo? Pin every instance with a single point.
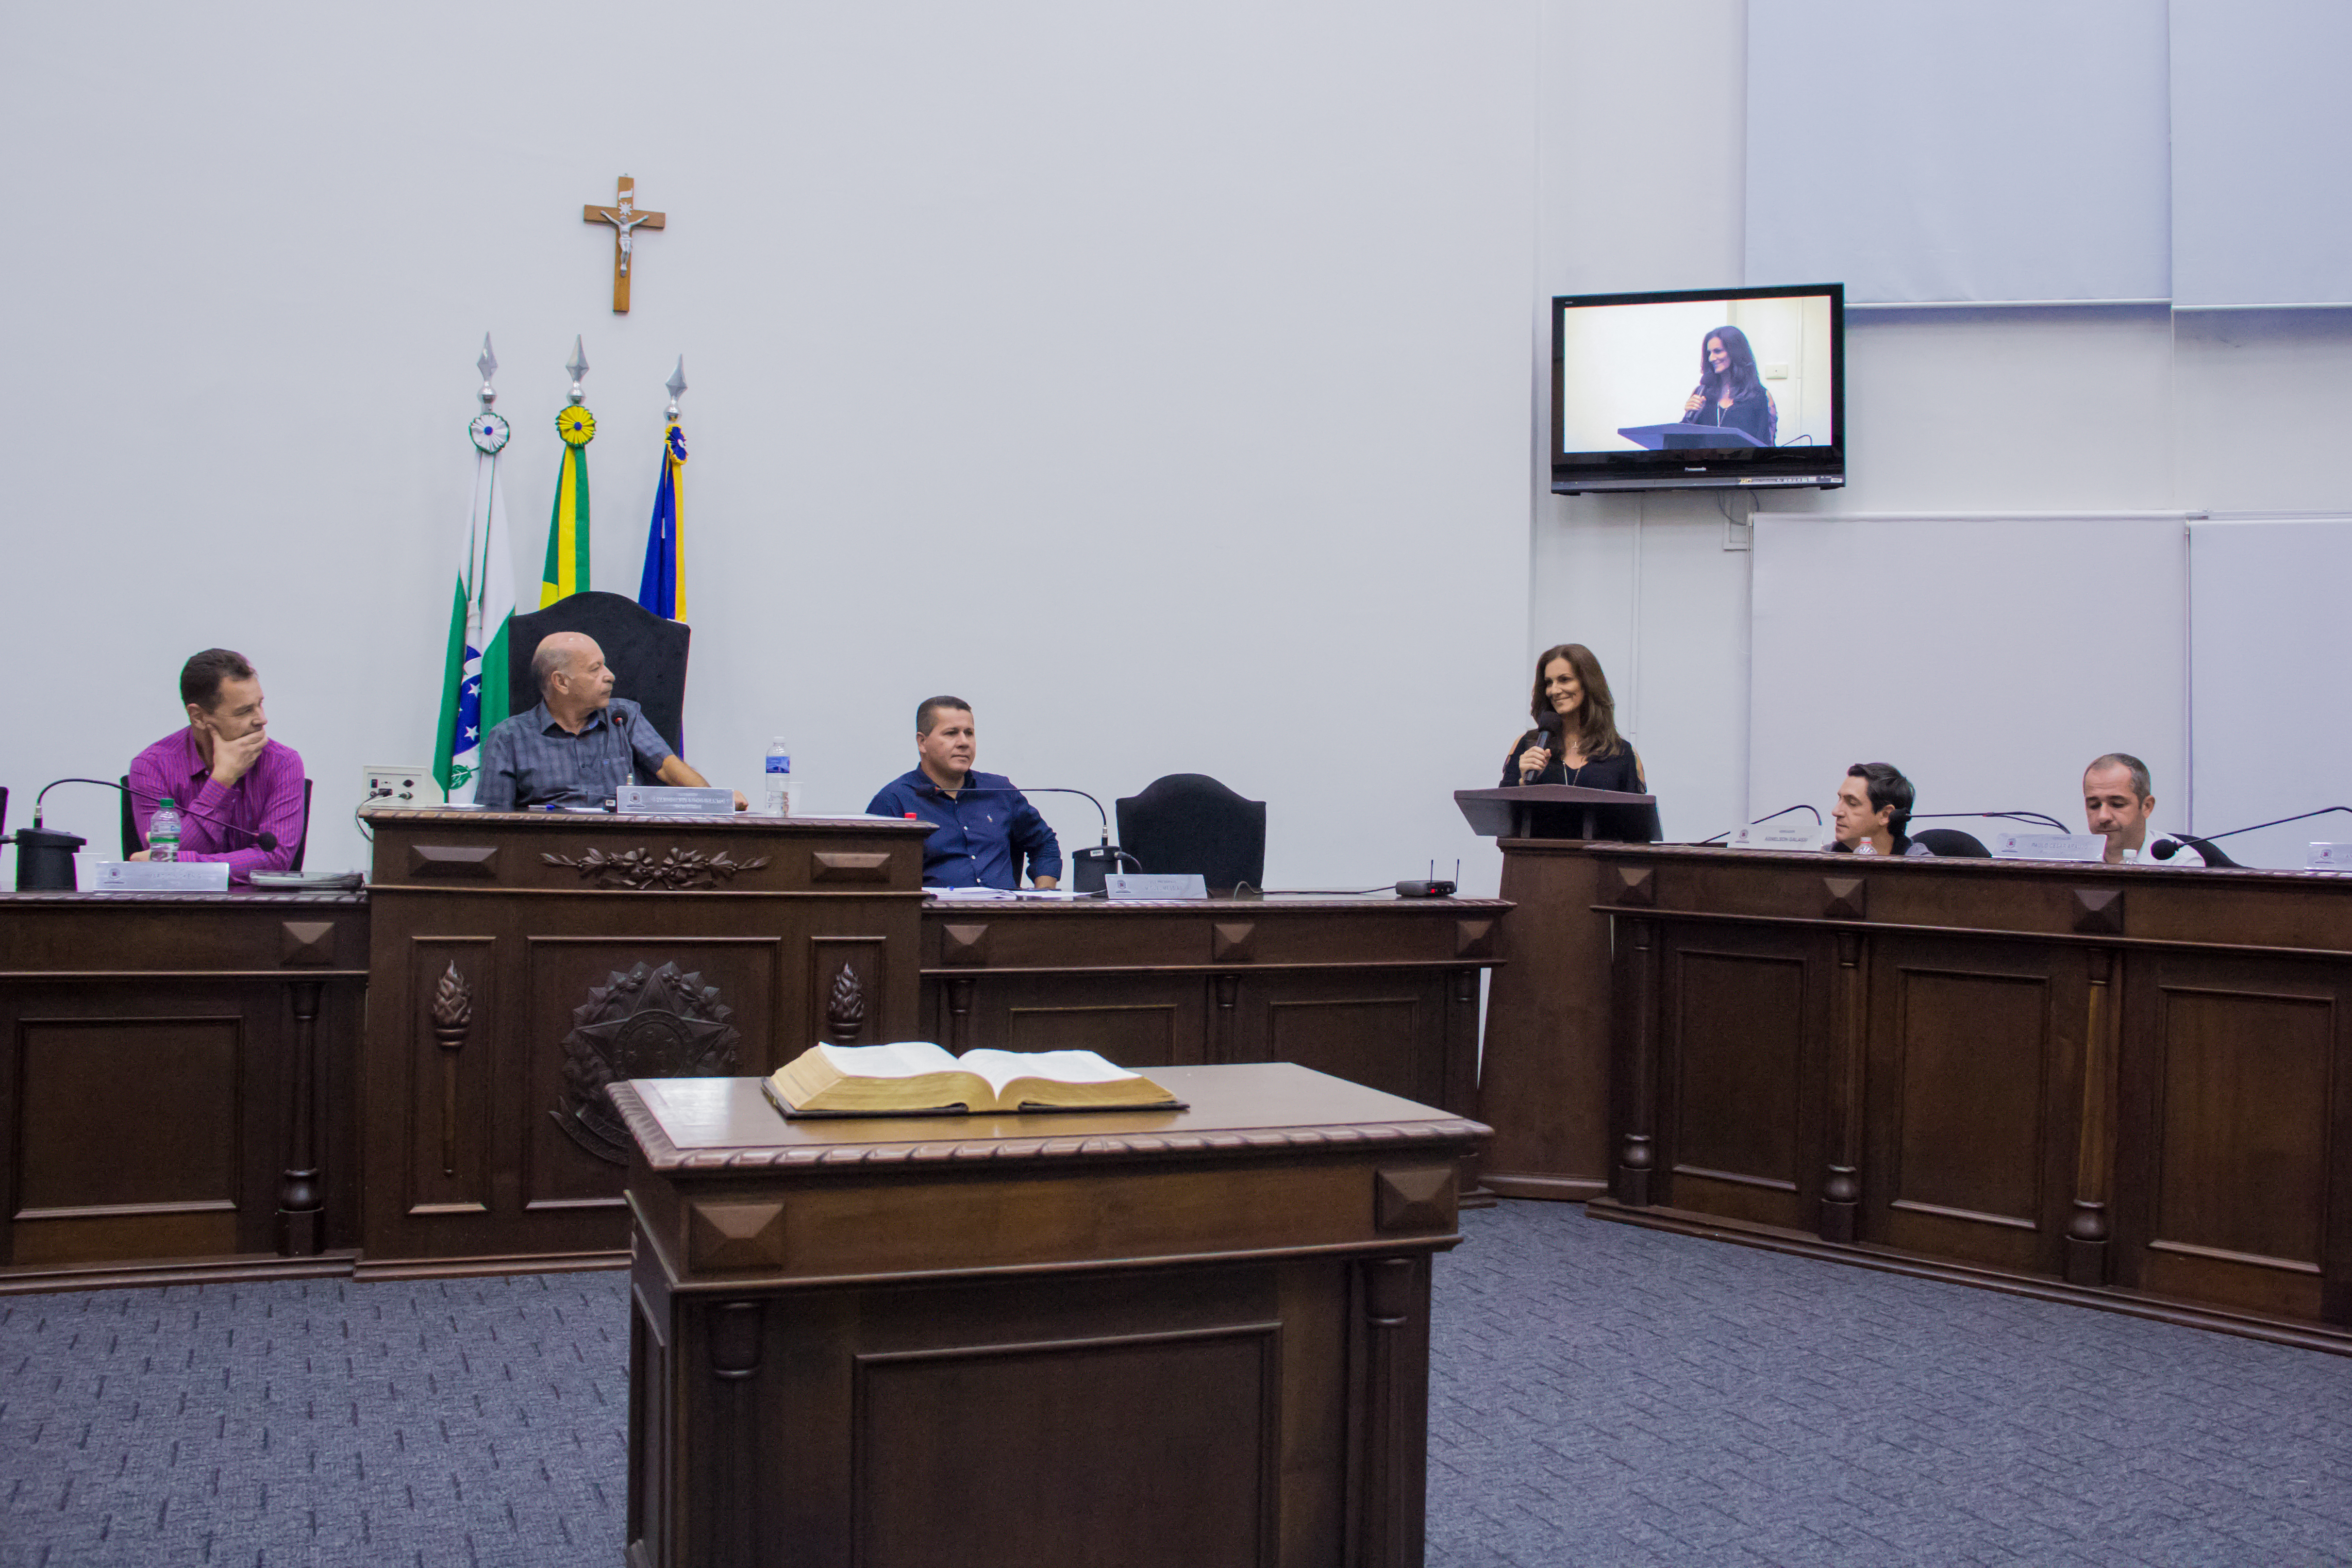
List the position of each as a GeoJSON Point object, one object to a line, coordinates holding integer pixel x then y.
{"type": "Point", "coordinates": [1591, 753]}
{"type": "Point", "coordinates": [1730, 393]}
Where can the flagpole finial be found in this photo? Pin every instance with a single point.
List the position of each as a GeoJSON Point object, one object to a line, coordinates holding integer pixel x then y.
{"type": "Point", "coordinates": [578, 365]}
{"type": "Point", "coordinates": [677, 384]}
{"type": "Point", "coordinates": [488, 365]}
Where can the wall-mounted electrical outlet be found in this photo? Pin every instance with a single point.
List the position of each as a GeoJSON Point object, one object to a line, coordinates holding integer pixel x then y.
{"type": "Point", "coordinates": [393, 783]}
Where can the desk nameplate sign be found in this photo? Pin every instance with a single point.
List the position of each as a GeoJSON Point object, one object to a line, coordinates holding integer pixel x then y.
{"type": "Point", "coordinates": [161, 877]}
{"type": "Point", "coordinates": [1155, 885]}
{"type": "Point", "coordinates": [1781, 836]}
{"type": "Point", "coordinates": [664, 800]}
{"type": "Point", "coordinates": [2324, 856]}
{"type": "Point", "coordinates": [2082, 846]}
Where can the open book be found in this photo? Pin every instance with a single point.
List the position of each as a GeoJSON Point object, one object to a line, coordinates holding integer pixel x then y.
{"type": "Point", "coordinates": [915, 1077]}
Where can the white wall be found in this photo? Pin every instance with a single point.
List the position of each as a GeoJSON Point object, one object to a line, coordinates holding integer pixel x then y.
{"type": "Point", "coordinates": [1964, 413]}
{"type": "Point", "coordinates": [1156, 381]}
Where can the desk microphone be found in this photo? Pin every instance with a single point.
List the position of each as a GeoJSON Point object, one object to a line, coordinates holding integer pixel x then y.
{"type": "Point", "coordinates": [1767, 816]}
{"type": "Point", "coordinates": [2009, 815]}
{"type": "Point", "coordinates": [264, 840]}
{"type": "Point", "coordinates": [1090, 866]}
{"type": "Point", "coordinates": [2166, 849]}
{"type": "Point", "coordinates": [1550, 725]}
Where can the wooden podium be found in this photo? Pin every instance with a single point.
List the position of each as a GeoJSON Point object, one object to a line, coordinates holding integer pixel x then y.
{"type": "Point", "coordinates": [1153, 1340]}
{"type": "Point", "coordinates": [520, 961]}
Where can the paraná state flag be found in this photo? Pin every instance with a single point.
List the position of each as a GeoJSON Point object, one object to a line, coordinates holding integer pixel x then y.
{"type": "Point", "coordinates": [474, 697]}
{"type": "Point", "coordinates": [662, 588]}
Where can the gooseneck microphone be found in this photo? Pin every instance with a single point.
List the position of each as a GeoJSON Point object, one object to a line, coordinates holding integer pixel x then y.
{"type": "Point", "coordinates": [1550, 723]}
{"type": "Point", "coordinates": [1767, 816]}
{"type": "Point", "coordinates": [2166, 849]}
{"type": "Point", "coordinates": [1088, 865]}
{"type": "Point", "coordinates": [264, 840]}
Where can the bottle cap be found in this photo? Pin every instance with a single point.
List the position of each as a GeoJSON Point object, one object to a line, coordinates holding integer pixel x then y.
{"type": "Point", "coordinates": [167, 805]}
{"type": "Point", "coordinates": [912, 817]}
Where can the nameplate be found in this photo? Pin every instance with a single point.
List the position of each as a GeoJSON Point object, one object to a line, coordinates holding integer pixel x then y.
{"type": "Point", "coordinates": [1155, 885]}
{"type": "Point", "coordinates": [1778, 835]}
{"type": "Point", "coordinates": [2049, 846]}
{"type": "Point", "coordinates": [2327, 857]}
{"type": "Point", "coordinates": [164, 876]}
{"type": "Point", "coordinates": [668, 800]}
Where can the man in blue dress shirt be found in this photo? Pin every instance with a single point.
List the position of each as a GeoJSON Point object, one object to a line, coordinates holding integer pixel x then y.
{"type": "Point", "coordinates": [983, 828]}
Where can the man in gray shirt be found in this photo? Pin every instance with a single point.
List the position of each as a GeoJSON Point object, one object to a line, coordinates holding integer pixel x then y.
{"type": "Point", "coordinates": [581, 743]}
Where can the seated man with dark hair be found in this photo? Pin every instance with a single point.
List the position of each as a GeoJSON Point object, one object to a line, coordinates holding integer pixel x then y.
{"type": "Point", "coordinates": [581, 743]}
{"type": "Point", "coordinates": [984, 828]}
{"type": "Point", "coordinates": [230, 781]}
{"type": "Point", "coordinates": [2117, 797]}
{"type": "Point", "coordinates": [1873, 807]}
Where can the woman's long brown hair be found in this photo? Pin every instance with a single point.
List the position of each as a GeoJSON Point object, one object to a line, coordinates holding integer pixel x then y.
{"type": "Point", "coordinates": [1596, 719]}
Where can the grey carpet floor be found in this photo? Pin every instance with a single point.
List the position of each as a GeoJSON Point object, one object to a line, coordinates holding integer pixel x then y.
{"type": "Point", "coordinates": [1599, 1395]}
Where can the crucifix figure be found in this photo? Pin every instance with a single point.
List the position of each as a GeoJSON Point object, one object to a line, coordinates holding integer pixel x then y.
{"type": "Point", "coordinates": [625, 219]}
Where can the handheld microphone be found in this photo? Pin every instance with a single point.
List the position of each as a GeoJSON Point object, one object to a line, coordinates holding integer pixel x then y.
{"type": "Point", "coordinates": [1550, 724]}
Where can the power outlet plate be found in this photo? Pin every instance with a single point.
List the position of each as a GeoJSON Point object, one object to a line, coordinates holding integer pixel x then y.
{"type": "Point", "coordinates": [393, 783]}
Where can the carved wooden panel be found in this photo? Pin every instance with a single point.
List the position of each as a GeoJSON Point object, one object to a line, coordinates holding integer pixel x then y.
{"type": "Point", "coordinates": [1136, 1020]}
{"type": "Point", "coordinates": [716, 1003]}
{"type": "Point", "coordinates": [2241, 1184]}
{"type": "Point", "coordinates": [1025, 1447]}
{"type": "Point", "coordinates": [848, 992]}
{"type": "Point", "coordinates": [1377, 1041]}
{"type": "Point", "coordinates": [453, 1060]}
{"type": "Point", "coordinates": [1132, 1033]}
{"type": "Point", "coordinates": [1735, 1026]}
{"type": "Point", "coordinates": [1965, 1077]}
{"type": "Point", "coordinates": [83, 1189]}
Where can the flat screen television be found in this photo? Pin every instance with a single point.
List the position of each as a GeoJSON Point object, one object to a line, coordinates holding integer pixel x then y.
{"type": "Point", "coordinates": [1639, 384]}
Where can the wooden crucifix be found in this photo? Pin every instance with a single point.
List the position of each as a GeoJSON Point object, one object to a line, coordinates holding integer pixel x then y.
{"type": "Point", "coordinates": [625, 219]}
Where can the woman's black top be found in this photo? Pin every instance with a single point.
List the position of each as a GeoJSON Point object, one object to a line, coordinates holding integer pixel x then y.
{"type": "Point", "coordinates": [1751, 411]}
{"type": "Point", "coordinates": [1620, 770]}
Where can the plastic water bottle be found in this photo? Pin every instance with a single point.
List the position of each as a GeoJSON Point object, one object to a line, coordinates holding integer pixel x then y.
{"type": "Point", "coordinates": [780, 778]}
{"type": "Point", "coordinates": [164, 832]}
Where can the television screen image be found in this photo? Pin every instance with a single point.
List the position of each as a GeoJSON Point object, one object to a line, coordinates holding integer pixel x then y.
{"type": "Point", "coordinates": [1698, 389]}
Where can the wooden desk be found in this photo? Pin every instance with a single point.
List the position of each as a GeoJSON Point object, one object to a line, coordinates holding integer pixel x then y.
{"type": "Point", "coordinates": [522, 961]}
{"type": "Point", "coordinates": [2132, 1086]}
{"type": "Point", "coordinates": [178, 1085]}
{"type": "Point", "coordinates": [1179, 1338]}
{"type": "Point", "coordinates": [1382, 992]}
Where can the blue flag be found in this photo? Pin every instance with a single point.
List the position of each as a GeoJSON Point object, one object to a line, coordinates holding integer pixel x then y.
{"type": "Point", "coordinates": [662, 589]}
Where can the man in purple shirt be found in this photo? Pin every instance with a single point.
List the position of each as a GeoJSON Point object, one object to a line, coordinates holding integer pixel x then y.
{"type": "Point", "coordinates": [231, 782]}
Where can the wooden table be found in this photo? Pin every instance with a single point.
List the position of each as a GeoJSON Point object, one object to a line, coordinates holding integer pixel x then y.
{"type": "Point", "coordinates": [1380, 991]}
{"type": "Point", "coordinates": [2123, 1086]}
{"type": "Point", "coordinates": [178, 1087]}
{"type": "Point", "coordinates": [1132, 1339]}
{"type": "Point", "coordinates": [522, 961]}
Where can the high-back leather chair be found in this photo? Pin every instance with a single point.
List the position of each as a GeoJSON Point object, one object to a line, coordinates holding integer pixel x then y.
{"type": "Point", "coordinates": [1190, 823]}
{"type": "Point", "coordinates": [646, 653]}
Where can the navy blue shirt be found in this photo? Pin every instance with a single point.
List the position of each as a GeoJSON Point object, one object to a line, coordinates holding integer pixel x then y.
{"type": "Point", "coordinates": [981, 834]}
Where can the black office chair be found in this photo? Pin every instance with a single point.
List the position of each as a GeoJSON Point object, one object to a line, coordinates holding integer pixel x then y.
{"type": "Point", "coordinates": [648, 655]}
{"type": "Point", "coordinates": [1189, 823]}
{"type": "Point", "coordinates": [1952, 841]}
{"type": "Point", "coordinates": [133, 843]}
